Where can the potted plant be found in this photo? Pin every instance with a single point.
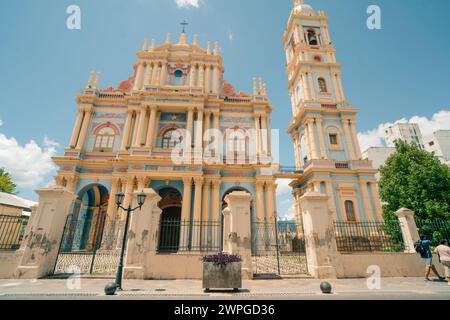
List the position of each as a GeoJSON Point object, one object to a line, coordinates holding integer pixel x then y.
{"type": "Point", "coordinates": [222, 271]}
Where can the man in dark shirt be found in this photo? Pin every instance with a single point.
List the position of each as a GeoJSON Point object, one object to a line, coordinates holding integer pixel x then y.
{"type": "Point", "coordinates": [427, 256]}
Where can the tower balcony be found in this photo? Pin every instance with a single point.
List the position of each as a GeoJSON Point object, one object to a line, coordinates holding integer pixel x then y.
{"type": "Point", "coordinates": [340, 165]}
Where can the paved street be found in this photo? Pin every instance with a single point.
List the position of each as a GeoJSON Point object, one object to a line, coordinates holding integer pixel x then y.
{"type": "Point", "coordinates": [285, 289]}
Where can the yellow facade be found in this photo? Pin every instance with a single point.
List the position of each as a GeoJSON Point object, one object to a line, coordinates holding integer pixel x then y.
{"type": "Point", "coordinates": [175, 126]}
{"type": "Point", "coordinates": [323, 126]}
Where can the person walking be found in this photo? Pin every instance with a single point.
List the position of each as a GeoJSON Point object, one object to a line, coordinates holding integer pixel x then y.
{"type": "Point", "coordinates": [423, 248]}
{"type": "Point", "coordinates": [443, 251]}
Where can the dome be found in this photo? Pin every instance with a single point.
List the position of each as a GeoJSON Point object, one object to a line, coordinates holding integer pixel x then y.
{"type": "Point", "coordinates": [303, 8]}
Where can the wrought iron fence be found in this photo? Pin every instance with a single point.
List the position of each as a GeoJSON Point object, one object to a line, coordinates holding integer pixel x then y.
{"type": "Point", "coordinates": [369, 236]}
{"type": "Point", "coordinates": [102, 258]}
{"type": "Point", "coordinates": [12, 231]}
{"type": "Point", "coordinates": [278, 249]}
{"type": "Point", "coordinates": [286, 238]}
{"type": "Point", "coordinates": [176, 236]}
{"type": "Point", "coordinates": [435, 230]}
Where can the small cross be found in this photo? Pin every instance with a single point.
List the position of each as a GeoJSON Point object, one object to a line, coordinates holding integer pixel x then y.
{"type": "Point", "coordinates": [184, 24]}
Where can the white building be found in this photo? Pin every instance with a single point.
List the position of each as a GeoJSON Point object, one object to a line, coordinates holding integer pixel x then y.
{"type": "Point", "coordinates": [13, 205]}
{"type": "Point", "coordinates": [378, 156]}
{"type": "Point", "coordinates": [408, 132]}
{"type": "Point", "coordinates": [439, 144]}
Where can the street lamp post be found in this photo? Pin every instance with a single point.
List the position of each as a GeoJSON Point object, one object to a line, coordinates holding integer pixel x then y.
{"type": "Point", "coordinates": [119, 200]}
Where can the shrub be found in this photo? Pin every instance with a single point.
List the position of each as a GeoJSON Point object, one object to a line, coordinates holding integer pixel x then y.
{"type": "Point", "coordinates": [222, 259]}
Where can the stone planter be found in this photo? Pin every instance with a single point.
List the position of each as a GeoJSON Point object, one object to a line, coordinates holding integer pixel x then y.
{"type": "Point", "coordinates": [222, 277]}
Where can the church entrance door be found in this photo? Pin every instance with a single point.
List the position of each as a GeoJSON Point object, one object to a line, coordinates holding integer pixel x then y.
{"type": "Point", "coordinates": [90, 243]}
{"type": "Point", "coordinates": [170, 224]}
{"type": "Point", "coordinates": [169, 239]}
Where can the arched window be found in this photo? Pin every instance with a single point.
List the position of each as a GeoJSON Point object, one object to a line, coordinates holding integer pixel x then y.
{"type": "Point", "coordinates": [312, 37]}
{"type": "Point", "coordinates": [317, 58]}
{"type": "Point", "coordinates": [350, 210]}
{"type": "Point", "coordinates": [236, 147]}
{"type": "Point", "coordinates": [171, 139]}
{"type": "Point", "coordinates": [178, 78]}
{"type": "Point", "coordinates": [334, 139]}
{"type": "Point", "coordinates": [104, 140]}
{"type": "Point", "coordinates": [322, 85]}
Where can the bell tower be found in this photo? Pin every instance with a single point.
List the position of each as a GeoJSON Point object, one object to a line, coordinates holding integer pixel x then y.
{"type": "Point", "coordinates": [323, 126]}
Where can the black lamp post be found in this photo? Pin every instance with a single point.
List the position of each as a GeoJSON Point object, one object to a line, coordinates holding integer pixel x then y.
{"type": "Point", "coordinates": [119, 200]}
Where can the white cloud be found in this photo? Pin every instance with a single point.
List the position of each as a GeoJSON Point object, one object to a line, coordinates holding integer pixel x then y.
{"type": "Point", "coordinates": [188, 3]}
{"type": "Point", "coordinates": [375, 137]}
{"type": "Point", "coordinates": [231, 36]}
{"type": "Point", "coordinates": [283, 187]}
{"type": "Point", "coordinates": [371, 138]}
{"type": "Point", "coordinates": [50, 143]}
{"type": "Point", "coordinates": [1, 122]}
{"type": "Point", "coordinates": [439, 121]}
{"type": "Point", "coordinates": [29, 164]}
{"type": "Point", "coordinates": [290, 214]}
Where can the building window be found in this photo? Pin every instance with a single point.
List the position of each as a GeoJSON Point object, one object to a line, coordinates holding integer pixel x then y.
{"type": "Point", "coordinates": [334, 139]}
{"type": "Point", "coordinates": [178, 78]}
{"type": "Point", "coordinates": [322, 85]}
{"type": "Point", "coordinates": [104, 141]}
{"type": "Point", "coordinates": [312, 37]}
{"type": "Point", "coordinates": [171, 139]}
{"type": "Point", "coordinates": [350, 210]}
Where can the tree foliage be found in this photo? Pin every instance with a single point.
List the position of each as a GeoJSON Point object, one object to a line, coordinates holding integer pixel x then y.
{"type": "Point", "coordinates": [6, 183]}
{"type": "Point", "coordinates": [415, 179]}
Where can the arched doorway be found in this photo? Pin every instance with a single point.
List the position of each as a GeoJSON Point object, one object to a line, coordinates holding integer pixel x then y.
{"type": "Point", "coordinates": [170, 226]}
{"type": "Point", "coordinates": [84, 227]}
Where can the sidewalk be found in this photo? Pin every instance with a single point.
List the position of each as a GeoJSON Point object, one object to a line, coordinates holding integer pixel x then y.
{"type": "Point", "coordinates": [391, 288]}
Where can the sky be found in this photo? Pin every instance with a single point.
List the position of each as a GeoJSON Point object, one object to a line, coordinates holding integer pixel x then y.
{"type": "Point", "coordinates": [398, 73]}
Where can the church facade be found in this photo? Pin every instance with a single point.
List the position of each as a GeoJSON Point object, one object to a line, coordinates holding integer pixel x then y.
{"type": "Point", "coordinates": [177, 127]}
{"type": "Point", "coordinates": [323, 126]}
{"type": "Point", "coordinates": [203, 154]}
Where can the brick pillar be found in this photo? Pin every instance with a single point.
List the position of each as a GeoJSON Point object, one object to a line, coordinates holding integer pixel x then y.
{"type": "Point", "coordinates": [409, 228]}
{"type": "Point", "coordinates": [142, 235]}
{"type": "Point", "coordinates": [44, 234]}
{"type": "Point", "coordinates": [321, 250]}
{"type": "Point", "coordinates": [237, 229]}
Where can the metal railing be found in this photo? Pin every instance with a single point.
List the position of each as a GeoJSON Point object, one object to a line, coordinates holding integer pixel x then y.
{"type": "Point", "coordinates": [368, 236]}
{"type": "Point", "coordinates": [12, 231]}
{"type": "Point", "coordinates": [181, 236]}
{"type": "Point", "coordinates": [286, 169]}
{"type": "Point", "coordinates": [435, 230]}
{"type": "Point", "coordinates": [278, 249]}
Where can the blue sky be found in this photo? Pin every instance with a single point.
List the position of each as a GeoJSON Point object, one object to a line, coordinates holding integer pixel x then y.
{"type": "Point", "coordinates": [399, 72]}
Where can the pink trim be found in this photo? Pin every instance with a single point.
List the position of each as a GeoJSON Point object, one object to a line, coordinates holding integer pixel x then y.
{"type": "Point", "coordinates": [168, 128]}
{"type": "Point", "coordinates": [107, 125]}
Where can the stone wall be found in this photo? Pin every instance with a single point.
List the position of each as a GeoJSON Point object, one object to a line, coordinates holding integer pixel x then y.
{"type": "Point", "coordinates": [9, 261]}
{"type": "Point", "coordinates": [174, 266]}
{"type": "Point", "coordinates": [391, 265]}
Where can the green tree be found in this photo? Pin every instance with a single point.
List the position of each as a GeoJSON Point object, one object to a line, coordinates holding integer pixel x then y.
{"type": "Point", "coordinates": [415, 179]}
{"type": "Point", "coordinates": [6, 184]}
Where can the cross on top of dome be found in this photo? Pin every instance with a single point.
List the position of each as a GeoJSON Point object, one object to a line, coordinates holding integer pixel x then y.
{"type": "Point", "coordinates": [184, 24]}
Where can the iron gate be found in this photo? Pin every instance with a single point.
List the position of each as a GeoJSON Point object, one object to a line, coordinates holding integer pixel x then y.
{"type": "Point", "coordinates": [278, 249]}
{"type": "Point", "coordinates": [101, 259]}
